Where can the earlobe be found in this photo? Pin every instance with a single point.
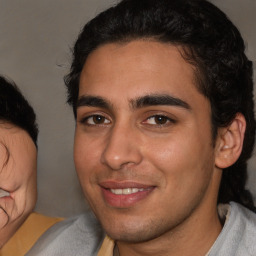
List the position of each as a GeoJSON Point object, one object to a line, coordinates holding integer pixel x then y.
{"type": "Point", "coordinates": [230, 142]}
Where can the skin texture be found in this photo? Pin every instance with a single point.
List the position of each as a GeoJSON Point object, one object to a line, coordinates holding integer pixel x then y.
{"type": "Point", "coordinates": [17, 176]}
{"type": "Point", "coordinates": [124, 140]}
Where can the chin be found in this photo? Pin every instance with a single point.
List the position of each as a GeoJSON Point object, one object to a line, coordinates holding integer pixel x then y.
{"type": "Point", "coordinates": [136, 233]}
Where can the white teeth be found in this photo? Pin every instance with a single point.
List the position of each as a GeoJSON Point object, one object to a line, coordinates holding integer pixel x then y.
{"type": "Point", "coordinates": [117, 191]}
{"type": "Point", "coordinates": [3, 193]}
{"type": "Point", "coordinates": [126, 191]}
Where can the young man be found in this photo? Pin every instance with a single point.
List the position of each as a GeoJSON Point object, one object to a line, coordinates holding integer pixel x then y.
{"type": "Point", "coordinates": [162, 95]}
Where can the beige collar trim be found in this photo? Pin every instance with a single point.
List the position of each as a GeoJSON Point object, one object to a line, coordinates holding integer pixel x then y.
{"type": "Point", "coordinates": [107, 247]}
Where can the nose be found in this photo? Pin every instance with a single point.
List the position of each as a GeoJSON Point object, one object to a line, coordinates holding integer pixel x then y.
{"type": "Point", "coordinates": [122, 148]}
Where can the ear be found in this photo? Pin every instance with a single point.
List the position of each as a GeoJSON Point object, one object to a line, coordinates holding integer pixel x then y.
{"type": "Point", "coordinates": [229, 142]}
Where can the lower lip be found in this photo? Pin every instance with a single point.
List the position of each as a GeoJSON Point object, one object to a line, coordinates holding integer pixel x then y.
{"type": "Point", "coordinates": [125, 201]}
{"type": "Point", "coordinates": [6, 198]}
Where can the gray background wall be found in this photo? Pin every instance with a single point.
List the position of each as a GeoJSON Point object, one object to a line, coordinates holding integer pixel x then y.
{"type": "Point", "coordinates": [35, 41]}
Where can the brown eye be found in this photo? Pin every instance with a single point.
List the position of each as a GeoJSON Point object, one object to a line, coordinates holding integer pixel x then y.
{"type": "Point", "coordinates": [96, 120]}
{"type": "Point", "coordinates": [158, 120]}
{"type": "Point", "coordinates": [161, 119]}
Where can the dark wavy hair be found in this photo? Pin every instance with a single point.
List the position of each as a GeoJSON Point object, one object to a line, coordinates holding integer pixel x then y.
{"type": "Point", "coordinates": [15, 109]}
{"type": "Point", "coordinates": [210, 42]}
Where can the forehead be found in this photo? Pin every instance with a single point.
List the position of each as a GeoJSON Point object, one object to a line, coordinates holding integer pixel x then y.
{"type": "Point", "coordinates": [137, 68]}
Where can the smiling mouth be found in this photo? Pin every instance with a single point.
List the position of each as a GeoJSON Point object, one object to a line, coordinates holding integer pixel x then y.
{"type": "Point", "coordinates": [126, 191]}
{"type": "Point", "coordinates": [125, 194]}
{"type": "Point", "coordinates": [4, 193]}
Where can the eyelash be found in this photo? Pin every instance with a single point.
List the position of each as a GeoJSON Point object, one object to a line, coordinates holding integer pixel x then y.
{"type": "Point", "coordinates": [167, 120]}
{"type": "Point", "coordinates": [85, 120]}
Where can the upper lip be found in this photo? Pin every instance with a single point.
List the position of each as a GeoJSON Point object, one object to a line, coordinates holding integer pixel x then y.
{"type": "Point", "coordinates": [123, 184]}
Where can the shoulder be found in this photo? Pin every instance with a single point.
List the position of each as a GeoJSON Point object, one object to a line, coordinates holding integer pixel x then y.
{"type": "Point", "coordinates": [245, 224]}
{"type": "Point", "coordinates": [238, 236]}
{"type": "Point", "coordinates": [79, 235]}
{"type": "Point", "coordinates": [37, 219]}
{"type": "Point", "coordinates": [26, 236]}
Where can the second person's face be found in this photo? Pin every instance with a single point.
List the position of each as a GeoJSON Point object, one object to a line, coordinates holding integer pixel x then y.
{"type": "Point", "coordinates": [17, 176]}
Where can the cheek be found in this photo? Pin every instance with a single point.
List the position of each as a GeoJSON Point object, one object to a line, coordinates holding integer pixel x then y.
{"type": "Point", "coordinates": [86, 156]}
{"type": "Point", "coordinates": [182, 160]}
{"type": "Point", "coordinates": [3, 218]}
{"type": "Point", "coordinates": [28, 171]}
{"type": "Point", "coordinates": [32, 187]}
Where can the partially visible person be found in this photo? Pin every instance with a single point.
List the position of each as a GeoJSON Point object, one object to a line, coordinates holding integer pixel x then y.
{"type": "Point", "coordinates": [19, 229]}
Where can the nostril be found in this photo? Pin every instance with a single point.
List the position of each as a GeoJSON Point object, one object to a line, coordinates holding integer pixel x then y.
{"type": "Point", "coordinates": [122, 158]}
{"type": "Point", "coordinates": [121, 148]}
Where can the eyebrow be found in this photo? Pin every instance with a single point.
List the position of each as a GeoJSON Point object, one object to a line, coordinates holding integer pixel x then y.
{"type": "Point", "coordinates": [140, 102]}
{"type": "Point", "coordinates": [159, 99]}
{"type": "Point", "coordinates": [92, 101]}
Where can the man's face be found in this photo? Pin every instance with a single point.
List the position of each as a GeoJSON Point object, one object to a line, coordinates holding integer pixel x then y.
{"type": "Point", "coordinates": [17, 176]}
{"type": "Point", "coordinates": [143, 143]}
